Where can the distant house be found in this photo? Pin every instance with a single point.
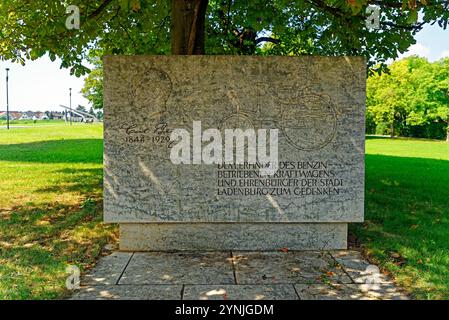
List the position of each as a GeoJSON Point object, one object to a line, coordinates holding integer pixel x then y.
{"type": "Point", "coordinates": [40, 116]}
{"type": "Point", "coordinates": [75, 117]}
{"type": "Point", "coordinates": [37, 115]}
{"type": "Point", "coordinates": [13, 115]}
{"type": "Point", "coordinates": [56, 115]}
{"type": "Point", "coordinates": [27, 115]}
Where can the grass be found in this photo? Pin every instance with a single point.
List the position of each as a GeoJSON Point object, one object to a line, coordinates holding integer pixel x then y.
{"type": "Point", "coordinates": [50, 207]}
{"type": "Point", "coordinates": [31, 123]}
{"type": "Point", "coordinates": [407, 213]}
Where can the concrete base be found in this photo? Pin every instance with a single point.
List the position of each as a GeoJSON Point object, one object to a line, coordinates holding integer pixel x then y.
{"type": "Point", "coordinates": [232, 236]}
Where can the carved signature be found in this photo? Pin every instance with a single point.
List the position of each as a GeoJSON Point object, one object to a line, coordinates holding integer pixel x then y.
{"type": "Point", "coordinates": [160, 133]}
{"type": "Point", "coordinates": [162, 129]}
{"type": "Point", "coordinates": [159, 129]}
{"type": "Point", "coordinates": [132, 129]}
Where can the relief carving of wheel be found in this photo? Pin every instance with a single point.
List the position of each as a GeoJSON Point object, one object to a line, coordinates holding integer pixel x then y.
{"type": "Point", "coordinates": [238, 120]}
{"type": "Point", "coordinates": [310, 123]}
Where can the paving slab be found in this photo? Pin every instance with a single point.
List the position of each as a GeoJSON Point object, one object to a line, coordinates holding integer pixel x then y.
{"type": "Point", "coordinates": [331, 292]}
{"type": "Point", "coordinates": [240, 275]}
{"type": "Point", "coordinates": [348, 292]}
{"type": "Point", "coordinates": [240, 292]}
{"type": "Point", "coordinates": [179, 268]}
{"type": "Point", "coordinates": [382, 291]}
{"type": "Point", "coordinates": [108, 270]}
{"type": "Point", "coordinates": [129, 292]}
{"type": "Point", "coordinates": [358, 268]}
{"type": "Point", "coordinates": [287, 268]}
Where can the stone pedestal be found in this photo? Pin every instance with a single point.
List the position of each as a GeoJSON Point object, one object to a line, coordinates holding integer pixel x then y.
{"type": "Point", "coordinates": [232, 236]}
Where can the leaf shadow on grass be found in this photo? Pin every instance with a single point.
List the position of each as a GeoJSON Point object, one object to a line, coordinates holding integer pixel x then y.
{"type": "Point", "coordinates": [55, 151]}
{"type": "Point", "coordinates": [38, 241]}
{"type": "Point", "coordinates": [87, 182]}
{"type": "Point", "coordinates": [407, 213]}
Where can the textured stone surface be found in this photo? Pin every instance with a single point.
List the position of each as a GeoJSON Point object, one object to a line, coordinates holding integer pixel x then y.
{"type": "Point", "coordinates": [367, 277]}
{"type": "Point", "coordinates": [240, 292]}
{"type": "Point", "coordinates": [287, 267]}
{"type": "Point", "coordinates": [236, 275]}
{"type": "Point", "coordinates": [385, 290]}
{"type": "Point", "coordinates": [179, 268]}
{"type": "Point", "coordinates": [108, 270]}
{"type": "Point", "coordinates": [125, 292]}
{"type": "Point", "coordinates": [232, 236]}
{"type": "Point", "coordinates": [316, 103]}
{"type": "Point", "coordinates": [330, 292]}
{"type": "Point", "coordinates": [357, 267]}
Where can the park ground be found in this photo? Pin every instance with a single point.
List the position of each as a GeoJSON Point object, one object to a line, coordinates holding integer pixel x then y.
{"type": "Point", "coordinates": [51, 210]}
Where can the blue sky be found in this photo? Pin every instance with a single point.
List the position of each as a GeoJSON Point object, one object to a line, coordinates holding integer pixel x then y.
{"type": "Point", "coordinates": [41, 85]}
{"type": "Point", "coordinates": [432, 42]}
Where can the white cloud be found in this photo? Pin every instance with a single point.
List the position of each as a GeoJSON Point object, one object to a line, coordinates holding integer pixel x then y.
{"type": "Point", "coordinates": [417, 49]}
{"type": "Point", "coordinates": [444, 54]}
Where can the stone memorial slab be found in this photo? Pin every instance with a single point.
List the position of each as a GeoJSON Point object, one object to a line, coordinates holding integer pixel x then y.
{"type": "Point", "coordinates": [233, 139]}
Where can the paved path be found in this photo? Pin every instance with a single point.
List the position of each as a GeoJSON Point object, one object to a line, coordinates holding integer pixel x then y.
{"type": "Point", "coordinates": [237, 275]}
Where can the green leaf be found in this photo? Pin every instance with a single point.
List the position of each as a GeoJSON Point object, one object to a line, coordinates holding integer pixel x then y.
{"type": "Point", "coordinates": [413, 17]}
{"type": "Point", "coordinates": [124, 5]}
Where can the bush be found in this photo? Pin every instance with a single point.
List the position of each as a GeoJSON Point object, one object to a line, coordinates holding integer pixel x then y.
{"type": "Point", "coordinates": [382, 128]}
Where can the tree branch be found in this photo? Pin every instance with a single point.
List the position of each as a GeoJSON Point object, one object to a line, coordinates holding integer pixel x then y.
{"type": "Point", "coordinates": [192, 35]}
{"type": "Point", "coordinates": [322, 5]}
{"type": "Point", "coordinates": [267, 39]}
{"type": "Point", "coordinates": [416, 27]}
{"type": "Point", "coordinates": [99, 10]}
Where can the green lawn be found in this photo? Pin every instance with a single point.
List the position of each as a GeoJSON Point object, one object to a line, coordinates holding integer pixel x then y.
{"type": "Point", "coordinates": [31, 123]}
{"type": "Point", "coordinates": [50, 209]}
{"type": "Point", "coordinates": [407, 213]}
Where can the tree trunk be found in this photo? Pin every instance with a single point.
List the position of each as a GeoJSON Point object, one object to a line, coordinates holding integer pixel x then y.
{"type": "Point", "coordinates": [447, 133]}
{"type": "Point", "coordinates": [392, 129]}
{"type": "Point", "coordinates": [187, 26]}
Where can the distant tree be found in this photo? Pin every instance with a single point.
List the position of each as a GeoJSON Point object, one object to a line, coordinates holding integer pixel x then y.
{"type": "Point", "coordinates": [412, 99]}
{"type": "Point", "coordinates": [93, 83]}
{"type": "Point", "coordinates": [440, 94]}
{"type": "Point", "coordinates": [100, 115]}
{"type": "Point", "coordinates": [442, 114]}
{"type": "Point", "coordinates": [81, 108]}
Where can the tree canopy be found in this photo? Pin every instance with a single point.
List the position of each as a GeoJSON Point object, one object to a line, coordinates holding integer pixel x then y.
{"type": "Point", "coordinates": [413, 96]}
{"type": "Point", "coordinates": [412, 100]}
{"type": "Point", "coordinates": [31, 29]}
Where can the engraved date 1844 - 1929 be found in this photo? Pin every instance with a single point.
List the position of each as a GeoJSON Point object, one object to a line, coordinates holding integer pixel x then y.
{"type": "Point", "coordinates": [159, 134]}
